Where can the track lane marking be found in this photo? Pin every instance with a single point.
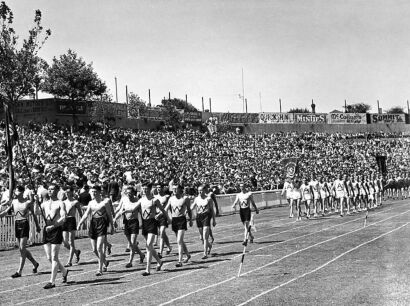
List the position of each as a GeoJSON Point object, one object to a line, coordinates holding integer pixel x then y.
{"type": "Point", "coordinates": [322, 266]}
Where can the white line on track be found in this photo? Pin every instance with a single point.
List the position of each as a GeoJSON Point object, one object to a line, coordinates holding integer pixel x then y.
{"type": "Point", "coordinates": [280, 259]}
{"type": "Point", "coordinates": [49, 296]}
{"type": "Point", "coordinates": [188, 273]}
{"type": "Point", "coordinates": [322, 266]}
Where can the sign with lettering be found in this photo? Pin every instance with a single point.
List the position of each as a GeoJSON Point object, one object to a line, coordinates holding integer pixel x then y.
{"type": "Point", "coordinates": [192, 117]}
{"type": "Point", "coordinates": [309, 118]}
{"type": "Point", "coordinates": [237, 117]}
{"type": "Point", "coordinates": [275, 118]}
{"type": "Point", "coordinates": [388, 118]}
{"type": "Point", "coordinates": [347, 118]}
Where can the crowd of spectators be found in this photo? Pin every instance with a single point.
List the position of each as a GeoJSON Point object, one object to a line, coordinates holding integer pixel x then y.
{"type": "Point", "coordinates": [190, 157]}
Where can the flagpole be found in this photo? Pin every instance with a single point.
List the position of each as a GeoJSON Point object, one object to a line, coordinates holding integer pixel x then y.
{"type": "Point", "coordinates": [9, 149]}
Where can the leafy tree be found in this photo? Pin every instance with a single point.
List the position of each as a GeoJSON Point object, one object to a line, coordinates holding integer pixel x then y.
{"type": "Point", "coordinates": [19, 69]}
{"type": "Point", "coordinates": [396, 110]}
{"type": "Point", "coordinates": [102, 111]}
{"type": "Point", "coordinates": [40, 77]}
{"type": "Point", "coordinates": [299, 110]}
{"type": "Point", "coordinates": [358, 108]}
{"type": "Point", "coordinates": [71, 77]}
{"type": "Point", "coordinates": [136, 105]}
{"type": "Point", "coordinates": [179, 104]}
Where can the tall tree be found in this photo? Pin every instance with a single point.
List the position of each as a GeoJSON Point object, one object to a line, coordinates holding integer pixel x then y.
{"type": "Point", "coordinates": [358, 108]}
{"type": "Point", "coordinates": [396, 110]}
{"type": "Point", "coordinates": [20, 64]}
{"type": "Point", "coordinates": [71, 77]}
{"type": "Point", "coordinates": [18, 70]}
{"type": "Point", "coordinates": [179, 104]}
{"type": "Point", "coordinates": [136, 105]}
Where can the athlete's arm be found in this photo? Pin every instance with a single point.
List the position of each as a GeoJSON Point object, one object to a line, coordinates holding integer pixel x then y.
{"type": "Point", "coordinates": [159, 206]}
{"type": "Point", "coordinates": [188, 208]}
{"type": "Point", "coordinates": [31, 209]}
{"type": "Point", "coordinates": [109, 209]}
{"type": "Point", "coordinates": [87, 212]}
{"type": "Point", "coordinates": [253, 204]}
{"type": "Point", "coordinates": [211, 207]}
{"type": "Point", "coordinates": [235, 202]}
{"type": "Point", "coordinates": [6, 211]}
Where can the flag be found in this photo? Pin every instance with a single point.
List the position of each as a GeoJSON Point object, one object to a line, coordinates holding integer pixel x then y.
{"type": "Point", "coordinates": [11, 139]}
{"type": "Point", "coordinates": [290, 166]}
{"type": "Point", "coordinates": [381, 163]}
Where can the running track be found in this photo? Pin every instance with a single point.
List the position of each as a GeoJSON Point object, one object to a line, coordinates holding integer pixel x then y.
{"type": "Point", "coordinates": [322, 261]}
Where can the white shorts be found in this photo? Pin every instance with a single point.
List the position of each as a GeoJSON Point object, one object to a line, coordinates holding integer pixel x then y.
{"type": "Point", "coordinates": [340, 194]}
{"type": "Point", "coordinates": [296, 195]}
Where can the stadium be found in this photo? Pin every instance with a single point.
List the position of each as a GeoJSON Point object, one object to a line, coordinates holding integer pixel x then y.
{"type": "Point", "coordinates": [193, 200]}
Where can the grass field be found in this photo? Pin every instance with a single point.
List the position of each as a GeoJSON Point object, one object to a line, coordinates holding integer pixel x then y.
{"type": "Point", "coordinates": [330, 260]}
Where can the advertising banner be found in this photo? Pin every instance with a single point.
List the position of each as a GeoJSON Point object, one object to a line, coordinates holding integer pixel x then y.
{"type": "Point", "coordinates": [192, 117]}
{"type": "Point", "coordinates": [388, 118]}
{"type": "Point", "coordinates": [237, 117]}
{"type": "Point", "coordinates": [275, 118]}
{"type": "Point", "coordinates": [68, 107]}
{"type": "Point", "coordinates": [347, 118]}
{"type": "Point", "coordinates": [309, 118]}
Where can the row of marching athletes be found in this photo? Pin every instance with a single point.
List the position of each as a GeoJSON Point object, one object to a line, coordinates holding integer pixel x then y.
{"type": "Point", "coordinates": [353, 193]}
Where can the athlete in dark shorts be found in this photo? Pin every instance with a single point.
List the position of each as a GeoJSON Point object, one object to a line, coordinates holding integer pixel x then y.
{"type": "Point", "coordinates": [245, 199]}
{"type": "Point", "coordinates": [205, 212]}
{"type": "Point", "coordinates": [54, 213]}
{"type": "Point", "coordinates": [179, 205]}
{"type": "Point", "coordinates": [149, 205]}
{"type": "Point", "coordinates": [100, 210]}
{"type": "Point", "coordinates": [70, 225]}
{"type": "Point", "coordinates": [22, 207]}
{"type": "Point", "coordinates": [162, 220]}
{"type": "Point", "coordinates": [131, 223]}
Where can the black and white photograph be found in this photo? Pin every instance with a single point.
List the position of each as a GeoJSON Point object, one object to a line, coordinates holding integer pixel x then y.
{"type": "Point", "coordinates": [220, 152]}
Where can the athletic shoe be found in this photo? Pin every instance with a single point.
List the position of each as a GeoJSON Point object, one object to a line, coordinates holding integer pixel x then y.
{"type": "Point", "coordinates": [128, 265]}
{"type": "Point", "coordinates": [15, 275]}
{"type": "Point", "coordinates": [127, 250]}
{"type": "Point", "coordinates": [68, 265]}
{"type": "Point", "coordinates": [35, 267]}
{"type": "Point", "coordinates": [106, 266]}
{"type": "Point", "coordinates": [187, 258]}
{"type": "Point", "coordinates": [49, 286]}
{"type": "Point", "coordinates": [77, 256]}
{"type": "Point", "coordinates": [146, 273]}
{"type": "Point", "coordinates": [178, 265]}
{"type": "Point", "coordinates": [65, 277]}
{"type": "Point", "coordinates": [109, 249]}
{"type": "Point", "coordinates": [251, 239]}
{"type": "Point", "coordinates": [204, 257]}
{"type": "Point", "coordinates": [245, 242]}
{"type": "Point", "coordinates": [341, 215]}
{"type": "Point", "coordinates": [159, 266]}
{"type": "Point", "coordinates": [210, 248]}
{"type": "Point", "coordinates": [212, 239]}
{"type": "Point", "coordinates": [98, 274]}
{"type": "Point", "coordinates": [169, 251]}
{"type": "Point", "coordinates": [142, 258]}
{"type": "Point", "coordinates": [160, 256]}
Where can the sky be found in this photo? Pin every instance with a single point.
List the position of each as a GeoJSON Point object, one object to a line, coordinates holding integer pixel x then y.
{"type": "Point", "coordinates": [293, 50]}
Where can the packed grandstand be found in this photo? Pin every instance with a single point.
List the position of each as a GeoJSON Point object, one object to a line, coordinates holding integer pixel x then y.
{"type": "Point", "coordinates": [191, 157]}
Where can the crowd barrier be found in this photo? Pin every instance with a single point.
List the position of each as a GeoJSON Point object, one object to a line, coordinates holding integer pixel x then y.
{"type": "Point", "coordinates": [263, 199]}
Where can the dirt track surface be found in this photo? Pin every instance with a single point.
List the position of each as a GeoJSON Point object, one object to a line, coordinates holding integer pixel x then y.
{"type": "Point", "coordinates": [323, 261]}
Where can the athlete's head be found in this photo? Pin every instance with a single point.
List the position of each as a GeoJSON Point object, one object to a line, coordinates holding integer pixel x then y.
{"type": "Point", "coordinates": [95, 191]}
{"type": "Point", "coordinates": [201, 190]}
{"type": "Point", "coordinates": [19, 190]}
{"type": "Point", "coordinates": [53, 189]}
